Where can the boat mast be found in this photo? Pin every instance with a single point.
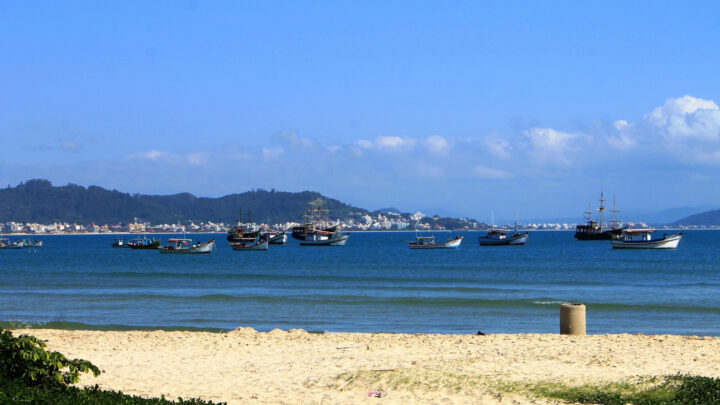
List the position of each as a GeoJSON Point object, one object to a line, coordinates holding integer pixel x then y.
{"type": "Point", "coordinates": [601, 209]}
{"type": "Point", "coordinates": [614, 223]}
{"type": "Point", "coordinates": [588, 213]}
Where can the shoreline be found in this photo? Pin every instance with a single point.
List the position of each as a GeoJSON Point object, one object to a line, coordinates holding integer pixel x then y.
{"type": "Point", "coordinates": [296, 367]}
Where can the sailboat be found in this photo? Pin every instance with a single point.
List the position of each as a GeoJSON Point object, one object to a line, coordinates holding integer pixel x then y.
{"type": "Point", "coordinates": [316, 230]}
{"type": "Point", "coordinates": [593, 230]}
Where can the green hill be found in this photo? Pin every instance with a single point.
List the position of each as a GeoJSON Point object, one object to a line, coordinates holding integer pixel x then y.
{"type": "Point", "coordinates": [709, 218]}
{"type": "Point", "coordinates": [39, 201]}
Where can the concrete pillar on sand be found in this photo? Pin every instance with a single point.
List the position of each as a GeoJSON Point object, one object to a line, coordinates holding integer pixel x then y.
{"type": "Point", "coordinates": [572, 319]}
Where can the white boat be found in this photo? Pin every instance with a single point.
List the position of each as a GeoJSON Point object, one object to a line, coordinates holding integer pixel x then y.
{"type": "Point", "coordinates": [642, 239]}
{"type": "Point", "coordinates": [120, 243]}
{"type": "Point", "coordinates": [6, 244]}
{"type": "Point", "coordinates": [275, 238]}
{"type": "Point", "coordinates": [428, 242]}
{"type": "Point", "coordinates": [259, 243]}
{"type": "Point", "coordinates": [185, 246]}
{"type": "Point", "coordinates": [30, 243]}
{"type": "Point", "coordinates": [499, 237]}
{"type": "Point", "coordinates": [322, 238]}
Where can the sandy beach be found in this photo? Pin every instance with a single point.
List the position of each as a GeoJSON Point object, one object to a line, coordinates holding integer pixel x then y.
{"type": "Point", "coordinates": [296, 367]}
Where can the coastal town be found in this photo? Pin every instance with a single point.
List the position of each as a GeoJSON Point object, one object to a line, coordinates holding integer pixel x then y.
{"type": "Point", "coordinates": [389, 221]}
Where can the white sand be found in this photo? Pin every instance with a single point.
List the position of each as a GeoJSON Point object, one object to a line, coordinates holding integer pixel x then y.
{"type": "Point", "coordinates": [295, 367]}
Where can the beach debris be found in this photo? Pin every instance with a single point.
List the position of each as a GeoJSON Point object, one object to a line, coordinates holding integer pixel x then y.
{"type": "Point", "coordinates": [376, 394]}
{"type": "Point", "coordinates": [480, 333]}
{"type": "Point", "coordinates": [352, 347]}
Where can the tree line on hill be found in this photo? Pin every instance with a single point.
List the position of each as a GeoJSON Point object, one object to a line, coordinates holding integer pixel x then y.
{"type": "Point", "coordinates": [38, 201]}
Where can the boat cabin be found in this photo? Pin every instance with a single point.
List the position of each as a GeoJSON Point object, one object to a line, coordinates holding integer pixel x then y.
{"type": "Point", "coordinates": [179, 243]}
{"type": "Point", "coordinates": [497, 233]}
{"type": "Point", "coordinates": [424, 240]}
{"type": "Point", "coordinates": [637, 234]}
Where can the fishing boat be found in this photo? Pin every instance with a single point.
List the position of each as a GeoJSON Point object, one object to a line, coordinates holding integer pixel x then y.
{"type": "Point", "coordinates": [185, 246]}
{"type": "Point", "coordinates": [30, 243]}
{"type": "Point", "coordinates": [5, 243]}
{"type": "Point", "coordinates": [316, 230]}
{"type": "Point", "coordinates": [258, 243]}
{"type": "Point", "coordinates": [120, 243]}
{"type": "Point", "coordinates": [500, 237]}
{"type": "Point", "coordinates": [275, 237]}
{"type": "Point", "coordinates": [324, 238]}
{"type": "Point", "coordinates": [595, 230]}
{"type": "Point", "coordinates": [642, 239]}
{"type": "Point", "coordinates": [144, 243]}
{"type": "Point", "coordinates": [428, 242]}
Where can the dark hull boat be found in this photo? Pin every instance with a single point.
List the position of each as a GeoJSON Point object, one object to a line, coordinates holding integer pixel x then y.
{"type": "Point", "coordinates": [593, 230]}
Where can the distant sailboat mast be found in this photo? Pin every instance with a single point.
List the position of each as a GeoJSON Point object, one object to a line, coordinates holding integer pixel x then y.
{"type": "Point", "coordinates": [601, 209]}
{"type": "Point", "coordinates": [615, 222]}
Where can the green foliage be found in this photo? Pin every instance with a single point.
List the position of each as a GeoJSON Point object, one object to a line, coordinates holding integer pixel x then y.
{"type": "Point", "coordinates": [669, 390]}
{"type": "Point", "coordinates": [40, 201]}
{"type": "Point", "coordinates": [24, 358]}
{"type": "Point", "coordinates": [18, 393]}
{"type": "Point", "coordinates": [29, 374]}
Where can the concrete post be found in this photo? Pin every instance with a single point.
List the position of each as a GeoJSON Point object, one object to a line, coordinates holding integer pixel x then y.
{"type": "Point", "coordinates": [572, 319]}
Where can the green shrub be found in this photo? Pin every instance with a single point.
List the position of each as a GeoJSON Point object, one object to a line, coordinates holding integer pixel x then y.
{"type": "Point", "coordinates": [29, 374]}
{"type": "Point", "coordinates": [25, 358]}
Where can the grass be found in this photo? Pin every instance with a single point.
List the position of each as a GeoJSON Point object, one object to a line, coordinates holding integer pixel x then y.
{"type": "Point", "coordinates": [664, 390]}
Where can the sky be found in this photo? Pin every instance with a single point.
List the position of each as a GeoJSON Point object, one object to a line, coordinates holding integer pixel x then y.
{"type": "Point", "coordinates": [463, 108]}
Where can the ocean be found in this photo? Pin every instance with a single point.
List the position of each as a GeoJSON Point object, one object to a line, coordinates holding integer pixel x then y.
{"type": "Point", "coordinates": [373, 284]}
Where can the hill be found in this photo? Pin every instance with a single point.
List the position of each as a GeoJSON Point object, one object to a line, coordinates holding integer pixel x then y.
{"type": "Point", "coordinates": [39, 201]}
{"type": "Point", "coordinates": [709, 218]}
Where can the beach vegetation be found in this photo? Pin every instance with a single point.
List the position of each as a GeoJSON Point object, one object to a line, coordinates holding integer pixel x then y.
{"type": "Point", "coordinates": [30, 374]}
{"type": "Point", "coordinates": [666, 390]}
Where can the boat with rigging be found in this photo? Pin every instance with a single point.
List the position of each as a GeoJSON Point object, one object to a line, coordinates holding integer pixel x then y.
{"type": "Point", "coordinates": [185, 246]}
{"type": "Point", "coordinates": [145, 243]}
{"type": "Point", "coordinates": [259, 242]}
{"type": "Point", "coordinates": [316, 230]}
{"type": "Point", "coordinates": [595, 230]}
{"type": "Point", "coordinates": [238, 233]}
{"type": "Point", "coordinates": [503, 237]}
{"type": "Point", "coordinates": [428, 242]}
{"type": "Point", "coordinates": [641, 238]}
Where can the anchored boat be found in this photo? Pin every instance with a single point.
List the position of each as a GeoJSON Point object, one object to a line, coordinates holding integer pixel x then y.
{"type": "Point", "coordinates": [642, 239]}
{"type": "Point", "coordinates": [316, 230]}
{"type": "Point", "coordinates": [594, 230]}
{"type": "Point", "coordinates": [500, 237]}
{"type": "Point", "coordinates": [257, 243]}
{"type": "Point", "coordinates": [6, 244]}
{"type": "Point", "coordinates": [144, 243]}
{"type": "Point", "coordinates": [185, 246]}
{"type": "Point", "coordinates": [428, 242]}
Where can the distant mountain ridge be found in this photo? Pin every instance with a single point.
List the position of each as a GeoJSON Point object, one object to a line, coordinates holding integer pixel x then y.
{"type": "Point", "coordinates": [709, 218]}
{"type": "Point", "coordinates": [41, 202]}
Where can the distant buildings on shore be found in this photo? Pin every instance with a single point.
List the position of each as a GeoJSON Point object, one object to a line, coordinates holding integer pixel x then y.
{"type": "Point", "coordinates": [367, 222]}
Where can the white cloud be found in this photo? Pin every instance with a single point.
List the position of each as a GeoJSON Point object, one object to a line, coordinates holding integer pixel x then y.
{"type": "Point", "coordinates": [490, 173]}
{"type": "Point", "coordinates": [497, 145]}
{"type": "Point", "coordinates": [272, 154]}
{"type": "Point", "coordinates": [549, 145]}
{"type": "Point", "coordinates": [436, 144]}
{"type": "Point", "coordinates": [149, 155]}
{"type": "Point", "coordinates": [624, 139]}
{"type": "Point", "coordinates": [387, 143]}
{"type": "Point", "coordinates": [198, 158]}
{"type": "Point", "coordinates": [294, 140]}
{"type": "Point", "coordinates": [686, 117]}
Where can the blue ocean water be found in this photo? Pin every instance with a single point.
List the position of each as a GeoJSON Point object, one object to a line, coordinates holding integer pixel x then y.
{"type": "Point", "coordinates": [373, 284]}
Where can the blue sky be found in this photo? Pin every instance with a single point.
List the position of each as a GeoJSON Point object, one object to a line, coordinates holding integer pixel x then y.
{"type": "Point", "coordinates": [526, 108]}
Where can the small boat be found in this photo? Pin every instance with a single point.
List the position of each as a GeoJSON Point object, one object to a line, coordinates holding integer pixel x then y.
{"type": "Point", "coordinates": [324, 238]}
{"type": "Point", "coordinates": [259, 243]}
{"type": "Point", "coordinates": [428, 242]}
{"type": "Point", "coordinates": [500, 237]}
{"type": "Point", "coordinates": [144, 243]}
{"type": "Point", "coordinates": [6, 244]}
{"type": "Point", "coordinates": [275, 237]}
{"type": "Point", "coordinates": [642, 239]}
{"type": "Point", "coordinates": [185, 246]}
{"type": "Point", "coordinates": [29, 243]}
{"type": "Point", "coordinates": [120, 243]}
